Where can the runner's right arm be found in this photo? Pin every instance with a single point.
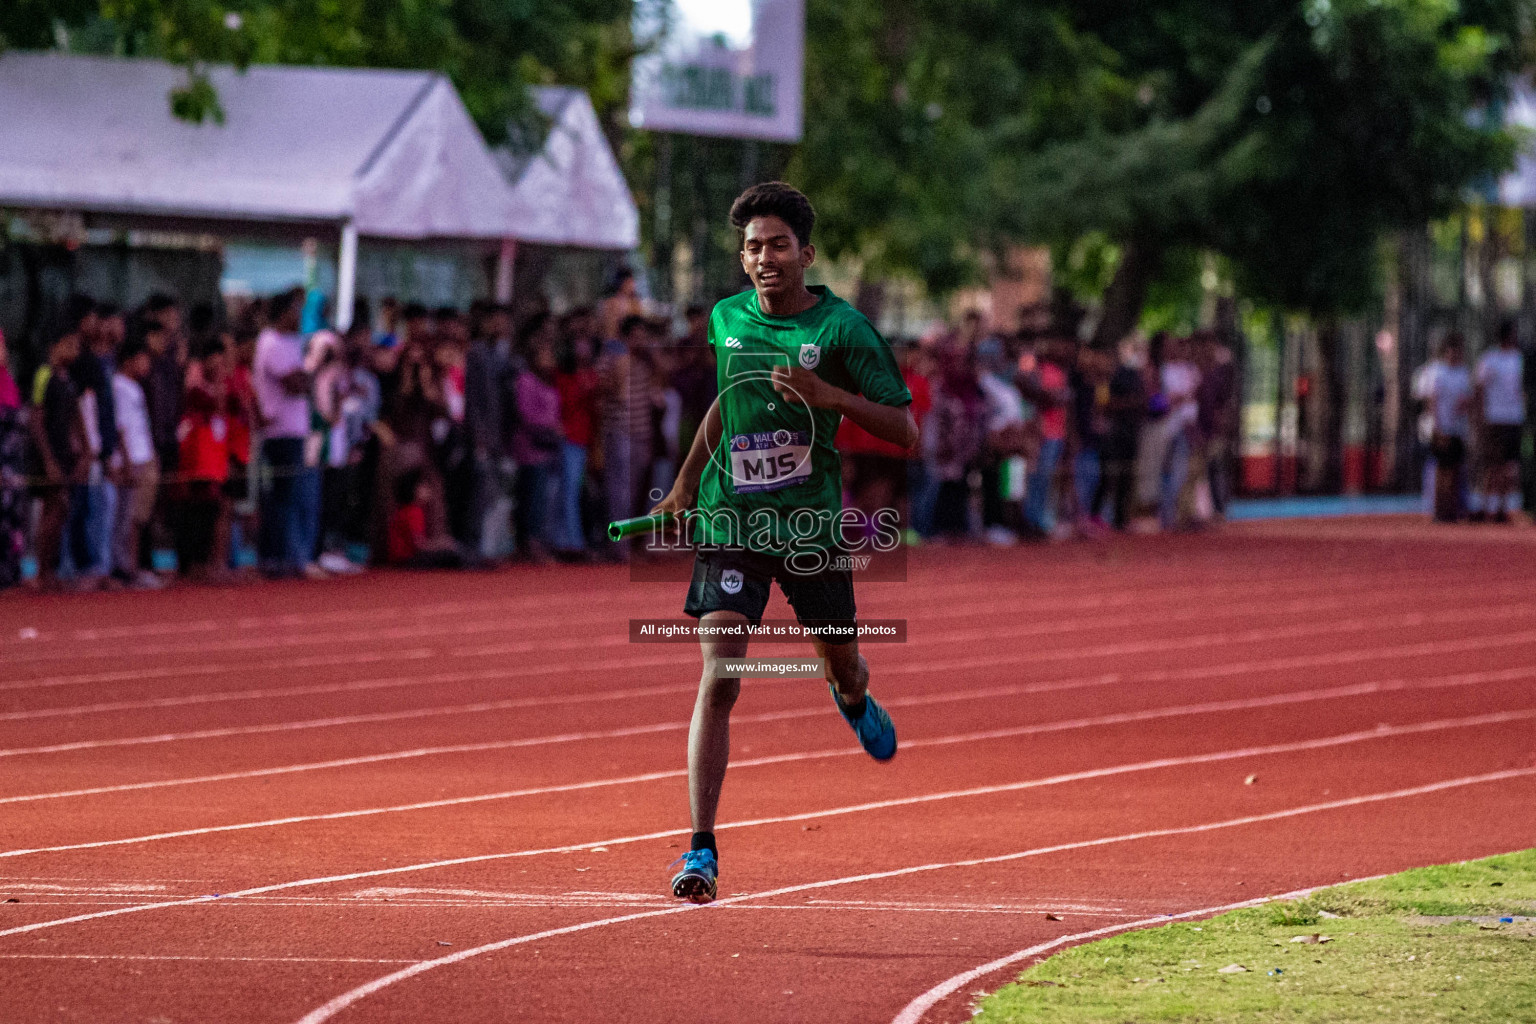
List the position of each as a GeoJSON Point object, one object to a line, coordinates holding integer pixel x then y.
{"type": "Point", "coordinates": [686, 488]}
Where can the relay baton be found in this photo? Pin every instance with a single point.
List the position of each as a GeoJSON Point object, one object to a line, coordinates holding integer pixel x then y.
{"type": "Point", "coordinates": [645, 524]}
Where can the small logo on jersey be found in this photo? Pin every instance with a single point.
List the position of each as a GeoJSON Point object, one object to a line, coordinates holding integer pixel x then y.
{"type": "Point", "coordinates": [741, 442]}
{"type": "Point", "coordinates": [810, 356]}
{"type": "Point", "coordinates": [733, 343]}
{"type": "Point", "coordinates": [781, 438]}
{"type": "Point", "coordinates": [731, 580]}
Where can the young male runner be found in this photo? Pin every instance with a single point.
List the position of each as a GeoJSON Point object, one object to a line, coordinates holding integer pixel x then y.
{"type": "Point", "coordinates": [793, 361]}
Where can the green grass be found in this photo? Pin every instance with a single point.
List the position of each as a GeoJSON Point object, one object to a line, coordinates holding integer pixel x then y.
{"type": "Point", "coordinates": [1395, 957]}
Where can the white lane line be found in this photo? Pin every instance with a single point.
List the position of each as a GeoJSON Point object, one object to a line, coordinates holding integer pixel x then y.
{"type": "Point", "coordinates": [1059, 906]}
{"type": "Point", "coordinates": [1198, 642]}
{"type": "Point", "coordinates": [913, 1012]}
{"type": "Point", "coordinates": [539, 630]}
{"type": "Point", "coordinates": [678, 659]}
{"type": "Point", "coordinates": [1222, 639]}
{"type": "Point", "coordinates": [824, 907]}
{"type": "Point", "coordinates": [684, 654]}
{"type": "Point", "coordinates": [492, 897]}
{"type": "Point", "coordinates": [1422, 649]}
{"type": "Point", "coordinates": [299, 638]}
{"type": "Point", "coordinates": [347, 999]}
{"type": "Point", "coordinates": [687, 655]}
{"type": "Point", "coordinates": [478, 899]}
{"type": "Point", "coordinates": [946, 611]}
{"type": "Point", "coordinates": [1380, 732]}
{"type": "Point", "coordinates": [390, 683]}
{"type": "Point", "coordinates": [216, 668]}
{"type": "Point", "coordinates": [1429, 648]}
{"type": "Point", "coordinates": [93, 888]}
{"type": "Point", "coordinates": [1201, 612]}
{"type": "Point", "coordinates": [305, 619]}
{"type": "Point", "coordinates": [1239, 583]}
{"type": "Point", "coordinates": [206, 959]}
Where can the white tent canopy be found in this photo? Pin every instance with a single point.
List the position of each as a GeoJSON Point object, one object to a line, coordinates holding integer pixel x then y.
{"type": "Point", "coordinates": [375, 153]}
{"type": "Point", "coordinates": [572, 192]}
{"type": "Point", "coordinates": [393, 153]}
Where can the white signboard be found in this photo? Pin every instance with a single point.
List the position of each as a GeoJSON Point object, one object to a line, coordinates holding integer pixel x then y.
{"type": "Point", "coordinates": [731, 68]}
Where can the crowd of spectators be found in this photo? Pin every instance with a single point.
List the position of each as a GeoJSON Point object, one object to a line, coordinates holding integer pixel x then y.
{"type": "Point", "coordinates": [1472, 426]}
{"type": "Point", "coordinates": [1030, 435]}
{"type": "Point", "coordinates": [431, 438]}
{"type": "Point", "coordinates": [262, 442]}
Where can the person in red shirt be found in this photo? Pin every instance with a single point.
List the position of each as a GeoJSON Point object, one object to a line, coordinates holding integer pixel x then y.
{"type": "Point", "coordinates": [876, 473]}
{"type": "Point", "coordinates": [407, 544]}
{"type": "Point", "coordinates": [240, 413]}
{"type": "Point", "coordinates": [577, 384]}
{"type": "Point", "coordinates": [1047, 388]}
{"type": "Point", "coordinates": [203, 463]}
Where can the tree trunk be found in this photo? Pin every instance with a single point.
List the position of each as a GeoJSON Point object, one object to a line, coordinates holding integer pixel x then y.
{"type": "Point", "coordinates": [1127, 293]}
{"type": "Point", "coordinates": [1325, 412]}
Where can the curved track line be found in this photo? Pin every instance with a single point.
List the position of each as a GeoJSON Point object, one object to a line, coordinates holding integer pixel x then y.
{"type": "Point", "coordinates": [1055, 780]}
{"type": "Point", "coordinates": [913, 1012]}
{"type": "Point", "coordinates": [347, 999]}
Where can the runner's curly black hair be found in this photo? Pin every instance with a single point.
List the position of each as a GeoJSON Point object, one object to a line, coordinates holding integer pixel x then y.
{"type": "Point", "coordinates": [775, 199]}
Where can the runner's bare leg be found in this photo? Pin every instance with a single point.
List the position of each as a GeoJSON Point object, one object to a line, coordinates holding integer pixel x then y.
{"type": "Point", "coordinates": [709, 736]}
{"type": "Point", "coordinates": [847, 670]}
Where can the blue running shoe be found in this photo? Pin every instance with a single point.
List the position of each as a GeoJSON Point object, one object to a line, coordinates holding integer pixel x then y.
{"type": "Point", "coordinates": [876, 733]}
{"type": "Point", "coordinates": [696, 882]}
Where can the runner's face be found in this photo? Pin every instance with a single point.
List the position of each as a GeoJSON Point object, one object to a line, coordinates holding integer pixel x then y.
{"type": "Point", "coordinates": [773, 258]}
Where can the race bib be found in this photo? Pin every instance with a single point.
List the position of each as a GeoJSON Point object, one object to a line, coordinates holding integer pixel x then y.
{"type": "Point", "coordinates": [770, 461]}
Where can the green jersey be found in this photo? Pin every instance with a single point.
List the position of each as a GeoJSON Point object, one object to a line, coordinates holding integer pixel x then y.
{"type": "Point", "coordinates": [774, 484]}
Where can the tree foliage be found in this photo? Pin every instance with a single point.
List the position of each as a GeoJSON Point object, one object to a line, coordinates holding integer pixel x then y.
{"type": "Point", "coordinates": [491, 49]}
{"type": "Point", "coordinates": [1287, 136]}
{"type": "Point", "coordinates": [906, 104]}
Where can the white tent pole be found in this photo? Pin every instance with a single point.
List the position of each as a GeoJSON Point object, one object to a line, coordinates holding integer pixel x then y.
{"type": "Point", "coordinates": [346, 276]}
{"type": "Point", "coordinates": [505, 263]}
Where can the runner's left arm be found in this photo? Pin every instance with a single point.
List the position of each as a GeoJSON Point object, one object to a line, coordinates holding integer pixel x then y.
{"type": "Point", "coordinates": [883, 405]}
{"type": "Point", "coordinates": [893, 423]}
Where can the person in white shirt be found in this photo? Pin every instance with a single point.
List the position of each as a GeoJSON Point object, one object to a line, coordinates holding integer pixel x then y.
{"type": "Point", "coordinates": [1451, 403]}
{"type": "Point", "coordinates": [1500, 381]}
{"type": "Point", "coordinates": [1423, 391]}
{"type": "Point", "coordinates": [135, 466]}
{"type": "Point", "coordinates": [1180, 379]}
{"type": "Point", "coordinates": [282, 403]}
{"type": "Point", "coordinates": [1003, 476]}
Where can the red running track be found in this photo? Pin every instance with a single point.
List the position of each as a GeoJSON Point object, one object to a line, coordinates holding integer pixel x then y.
{"type": "Point", "coordinates": [455, 797]}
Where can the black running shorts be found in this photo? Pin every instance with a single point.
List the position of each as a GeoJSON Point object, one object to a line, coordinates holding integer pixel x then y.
{"type": "Point", "coordinates": [739, 581]}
